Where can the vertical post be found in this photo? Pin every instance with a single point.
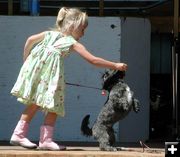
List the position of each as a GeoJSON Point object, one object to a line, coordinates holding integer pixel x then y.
{"type": "Point", "coordinates": [176, 18]}
{"type": "Point", "coordinates": [10, 7]}
{"type": "Point", "coordinates": [35, 7]}
{"type": "Point", "coordinates": [175, 67]}
{"type": "Point", "coordinates": [101, 7]}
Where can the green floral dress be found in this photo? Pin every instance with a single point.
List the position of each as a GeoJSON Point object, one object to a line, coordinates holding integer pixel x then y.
{"type": "Point", "coordinates": [41, 78]}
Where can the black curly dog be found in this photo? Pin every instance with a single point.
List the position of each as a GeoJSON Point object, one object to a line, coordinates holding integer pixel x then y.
{"type": "Point", "coordinates": [119, 103]}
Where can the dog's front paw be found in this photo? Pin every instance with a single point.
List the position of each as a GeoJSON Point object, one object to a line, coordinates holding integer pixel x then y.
{"type": "Point", "coordinates": [136, 106]}
{"type": "Point", "coordinates": [109, 148]}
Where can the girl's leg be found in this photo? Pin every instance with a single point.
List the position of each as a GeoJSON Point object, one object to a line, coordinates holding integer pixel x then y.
{"type": "Point", "coordinates": [46, 134]}
{"type": "Point", "coordinates": [50, 119]}
{"type": "Point", "coordinates": [19, 135]}
{"type": "Point", "coordinates": [29, 113]}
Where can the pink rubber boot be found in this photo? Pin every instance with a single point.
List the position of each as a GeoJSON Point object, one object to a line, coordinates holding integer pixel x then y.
{"type": "Point", "coordinates": [18, 137]}
{"type": "Point", "coordinates": [46, 141]}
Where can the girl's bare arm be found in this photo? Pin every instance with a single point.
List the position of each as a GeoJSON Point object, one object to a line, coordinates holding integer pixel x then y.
{"type": "Point", "coordinates": [30, 42]}
{"type": "Point", "coordinates": [97, 61]}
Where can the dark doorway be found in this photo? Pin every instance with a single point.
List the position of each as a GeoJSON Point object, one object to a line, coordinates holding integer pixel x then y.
{"type": "Point", "coordinates": [161, 107]}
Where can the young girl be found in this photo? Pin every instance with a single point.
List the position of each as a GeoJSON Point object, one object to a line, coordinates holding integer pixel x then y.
{"type": "Point", "coordinates": [40, 84]}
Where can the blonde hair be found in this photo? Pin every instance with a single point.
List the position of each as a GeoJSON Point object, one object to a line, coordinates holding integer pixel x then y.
{"type": "Point", "coordinates": [69, 19]}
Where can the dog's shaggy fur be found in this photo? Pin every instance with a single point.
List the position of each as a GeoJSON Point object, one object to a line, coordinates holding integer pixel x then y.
{"type": "Point", "coordinates": [119, 103]}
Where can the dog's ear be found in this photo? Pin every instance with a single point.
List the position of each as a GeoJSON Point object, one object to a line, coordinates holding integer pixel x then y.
{"type": "Point", "coordinates": [110, 77]}
{"type": "Point", "coordinates": [104, 74]}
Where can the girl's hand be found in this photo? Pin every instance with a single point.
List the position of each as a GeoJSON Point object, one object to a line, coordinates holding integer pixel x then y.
{"type": "Point", "coordinates": [121, 66]}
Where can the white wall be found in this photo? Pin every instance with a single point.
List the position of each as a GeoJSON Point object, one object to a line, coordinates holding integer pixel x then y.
{"type": "Point", "coordinates": [102, 41]}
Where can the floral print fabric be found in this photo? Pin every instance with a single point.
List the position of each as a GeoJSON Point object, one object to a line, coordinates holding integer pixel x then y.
{"type": "Point", "coordinates": [41, 78]}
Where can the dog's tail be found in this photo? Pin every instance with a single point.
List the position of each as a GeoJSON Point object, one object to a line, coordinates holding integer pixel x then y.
{"type": "Point", "coordinates": [86, 131]}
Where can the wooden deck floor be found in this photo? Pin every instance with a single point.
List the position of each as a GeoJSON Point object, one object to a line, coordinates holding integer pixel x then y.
{"type": "Point", "coordinates": [81, 151]}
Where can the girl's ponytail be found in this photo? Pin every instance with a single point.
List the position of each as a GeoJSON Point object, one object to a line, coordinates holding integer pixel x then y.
{"type": "Point", "coordinates": [60, 17]}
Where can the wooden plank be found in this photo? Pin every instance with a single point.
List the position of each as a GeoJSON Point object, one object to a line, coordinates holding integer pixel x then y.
{"type": "Point", "coordinates": [101, 7]}
{"type": "Point", "coordinates": [15, 151]}
{"type": "Point", "coordinates": [176, 17]}
{"type": "Point", "coordinates": [162, 24]}
{"type": "Point", "coordinates": [10, 7]}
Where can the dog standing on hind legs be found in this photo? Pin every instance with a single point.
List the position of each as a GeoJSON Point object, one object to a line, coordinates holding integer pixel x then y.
{"type": "Point", "coordinates": [119, 103]}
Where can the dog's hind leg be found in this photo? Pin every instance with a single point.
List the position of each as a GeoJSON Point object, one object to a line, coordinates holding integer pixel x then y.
{"type": "Point", "coordinates": [105, 141]}
{"type": "Point", "coordinates": [104, 145]}
{"type": "Point", "coordinates": [112, 138]}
